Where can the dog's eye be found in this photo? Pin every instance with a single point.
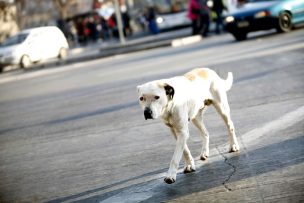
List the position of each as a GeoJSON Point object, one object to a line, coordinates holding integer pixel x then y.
{"type": "Point", "coordinates": [141, 98]}
{"type": "Point", "coordinates": [156, 97]}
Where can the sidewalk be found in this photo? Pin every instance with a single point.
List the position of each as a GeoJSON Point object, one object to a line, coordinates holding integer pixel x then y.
{"type": "Point", "coordinates": [135, 43]}
{"type": "Point", "coordinates": [104, 49]}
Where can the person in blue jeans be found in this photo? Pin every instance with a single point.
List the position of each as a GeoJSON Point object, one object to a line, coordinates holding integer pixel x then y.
{"type": "Point", "coordinates": [218, 8]}
{"type": "Point", "coordinates": [204, 17]}
{"type": "Point", "coordinates": [151, 18]}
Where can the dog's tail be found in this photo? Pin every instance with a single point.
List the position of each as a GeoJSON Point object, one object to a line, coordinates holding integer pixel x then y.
{"type": "Point", "coordinates": [228, 82]}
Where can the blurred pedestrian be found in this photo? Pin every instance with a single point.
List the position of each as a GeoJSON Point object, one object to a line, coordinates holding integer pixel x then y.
{"type": "Point", "coordinates": [71, 33]}
{"type": "Point", "coordinates": [112, 26]}
{"type": "Point", "coordinates": [80, 30]}
{"type": "Point", "coordinates": [204, 17]}
{"type": "Point", "coordinates": [141, 20]}
{"type": "Point", "coordinates": [194, 15]}
{"type": "Point", "coordinates": [93, 33]}
{"type": "Point", "coordinates": [151, 18]}
{"type": "Point", "coordinates": [105, 30]}
{"type": "Point", "coordinates": [126, 21]}
{"type": "Point", "coordinates": [198, 12]}
{"type": "Point", "coordinates": [218, 8]}
{"type": "Point", "coordinates": [87, 30]}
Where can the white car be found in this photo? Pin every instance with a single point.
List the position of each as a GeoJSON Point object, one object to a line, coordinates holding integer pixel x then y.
{"type": "Point", "coordinates": [33, 45]}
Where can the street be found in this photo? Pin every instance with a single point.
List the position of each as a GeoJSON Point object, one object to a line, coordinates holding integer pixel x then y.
{"type": "Point", "coordinates": [76, 133]}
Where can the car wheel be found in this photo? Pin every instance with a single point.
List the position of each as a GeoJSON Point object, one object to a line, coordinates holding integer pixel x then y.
{"type": "Point", "coordinates": [25, 61]}
{"type": "Point", "coordinates": [63, 53]}
{"type": "Point", "coordinates": [240, 36]}
{"type": "Point", "coordinates": [285, 22]}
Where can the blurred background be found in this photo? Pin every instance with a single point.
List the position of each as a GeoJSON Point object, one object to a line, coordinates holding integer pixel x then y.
{"type": "Point", "coordinates": [83, 21]}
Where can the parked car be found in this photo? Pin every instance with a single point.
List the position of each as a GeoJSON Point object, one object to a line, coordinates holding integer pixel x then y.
{"type": "Point", "coordinates": [255, 15]}
{"type": "Point", "coordinates": [33, 45]}
{"type": "Point", "coordinates": [169, 21]}
{"type": "Point", "coordinates": [171, 14]}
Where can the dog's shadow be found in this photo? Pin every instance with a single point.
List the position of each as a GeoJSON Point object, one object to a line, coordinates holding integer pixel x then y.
{"type": "Point", "coordinates": [221, 173]}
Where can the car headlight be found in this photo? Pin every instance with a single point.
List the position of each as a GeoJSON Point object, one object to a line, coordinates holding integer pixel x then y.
{"type": "Point", "coordinates": [262, 14]}
{"type": "Point", "coordinates": [229, 19]}
{"type": "Point", "coordinates": [159, 20]}
{"type": "Point", "coordinates": [210, 3]}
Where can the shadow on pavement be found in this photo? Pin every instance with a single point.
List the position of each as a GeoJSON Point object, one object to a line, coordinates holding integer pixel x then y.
{"type": "Point", "coordinates": [74, 117]}
{"type": "Point", "coordinates": [253, 163]}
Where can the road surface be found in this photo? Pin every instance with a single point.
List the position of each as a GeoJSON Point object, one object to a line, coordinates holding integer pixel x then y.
{"type": "Point", "coordinates": [76, 132]}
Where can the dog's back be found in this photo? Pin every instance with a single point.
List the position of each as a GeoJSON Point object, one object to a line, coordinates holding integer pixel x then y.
{"type": "Point", "coordinates": [207, 75]}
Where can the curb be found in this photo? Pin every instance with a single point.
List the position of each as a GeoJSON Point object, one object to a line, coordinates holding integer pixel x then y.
{"type": "Point", "coordinates": [107, 52]}
{"type": "Point", "coordinates": [186, 41]}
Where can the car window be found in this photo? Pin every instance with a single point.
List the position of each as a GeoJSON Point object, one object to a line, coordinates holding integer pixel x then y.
{"type": "Point", "coordinates": [34, 38]}
{"type": "Point", "coordinates": [170, 6]}
{"type": "Point", "coordinates": [16, 39]}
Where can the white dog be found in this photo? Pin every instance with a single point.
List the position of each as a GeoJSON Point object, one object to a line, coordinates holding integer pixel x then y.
{"type": "Point", "coordinates": [182, 99]}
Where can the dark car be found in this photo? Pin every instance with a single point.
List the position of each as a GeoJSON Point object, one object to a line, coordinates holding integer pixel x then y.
{"type": "Point", "coordinates": [255, 15]}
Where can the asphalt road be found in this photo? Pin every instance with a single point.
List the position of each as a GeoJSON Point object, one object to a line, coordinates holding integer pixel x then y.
{"type": "Point", "coordinates": [76, 132]}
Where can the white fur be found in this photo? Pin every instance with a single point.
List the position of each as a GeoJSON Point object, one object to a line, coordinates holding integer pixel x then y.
{"type": "Point", "coordinates": [192, 93]}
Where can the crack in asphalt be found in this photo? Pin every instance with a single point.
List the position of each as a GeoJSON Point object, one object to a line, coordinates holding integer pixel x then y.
{"type": "Point", "coordinates": [251, 170]}
{"type": "Point", "coordinates": [226, 161]}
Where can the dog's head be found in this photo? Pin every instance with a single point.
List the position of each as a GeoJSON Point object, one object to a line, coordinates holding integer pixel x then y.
{"type": "Point", "coordinates": [154, 97]}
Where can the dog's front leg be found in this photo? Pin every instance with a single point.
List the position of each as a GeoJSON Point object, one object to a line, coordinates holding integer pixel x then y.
{"type": "Point", "coordinates": [188, 159]}
{"type": "Point", "coordinates": [181, 139]}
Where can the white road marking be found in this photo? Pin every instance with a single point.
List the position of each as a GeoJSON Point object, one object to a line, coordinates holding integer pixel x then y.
{"type": "Point", "coordinates": [281, 123]}
{"type": "Point", "coordinates": [186, 41]}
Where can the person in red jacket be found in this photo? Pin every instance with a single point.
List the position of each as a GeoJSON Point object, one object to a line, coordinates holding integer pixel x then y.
{"type": "Point", "coordinates": [198, 12]}
{"type": "Point", "coordinates": [194, 15]}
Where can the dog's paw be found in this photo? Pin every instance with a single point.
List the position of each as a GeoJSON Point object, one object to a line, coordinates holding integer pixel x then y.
{"type": "Point", "coordinates": [189, 169]}
{"type": "Point", "coordinates": [234, 148]}
{"type": "Point", "coordinates": [169, 180]}
{"type": "Point", "coordinates": [203, 157]}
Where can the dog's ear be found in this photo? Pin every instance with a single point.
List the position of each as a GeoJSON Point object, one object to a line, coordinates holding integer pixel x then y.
{"type": "Point", "coordinates": [168, 88]}
{"type": "Point", "coordinates": [169, 91]}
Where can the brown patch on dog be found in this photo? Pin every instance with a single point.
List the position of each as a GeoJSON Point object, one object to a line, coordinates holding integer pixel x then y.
{"type": "Point", "coordinates": [202, 73]}
{"type": "Point", "coordinates": [190, 76]}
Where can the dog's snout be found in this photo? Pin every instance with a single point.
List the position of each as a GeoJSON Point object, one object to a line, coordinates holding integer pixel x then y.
{"type": "Point", "coordinates": [148, 113]}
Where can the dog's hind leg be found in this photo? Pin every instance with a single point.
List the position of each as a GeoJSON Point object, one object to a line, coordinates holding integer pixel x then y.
{"type": "Point", "coordinates": [199, 123]}
{"type": "Point", "coordinates": [188, 159]}
{"type": "Point", "coordinates": [222, 107]}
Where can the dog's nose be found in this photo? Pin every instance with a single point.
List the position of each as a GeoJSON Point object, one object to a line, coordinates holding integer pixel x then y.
{"type": "Point", "coordinates": [148, 113]}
